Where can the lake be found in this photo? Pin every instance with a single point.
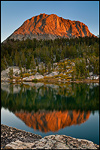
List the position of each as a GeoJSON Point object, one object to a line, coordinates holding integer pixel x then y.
{"type": "Point", "coordinates": [70, 109]}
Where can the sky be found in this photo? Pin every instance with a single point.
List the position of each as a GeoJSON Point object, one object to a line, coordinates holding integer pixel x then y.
{"type": "Point", "coordinates": [14, 13]}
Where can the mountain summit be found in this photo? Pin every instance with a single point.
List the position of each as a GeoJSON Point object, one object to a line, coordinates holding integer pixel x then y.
{"type": "Point", "coordinates": [51, 26]}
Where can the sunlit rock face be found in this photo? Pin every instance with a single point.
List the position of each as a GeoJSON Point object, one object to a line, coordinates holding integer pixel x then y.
{"type": "Point", "coordinates": [46, 121]}
{"type": "Point", "coordinates": [51, 26]}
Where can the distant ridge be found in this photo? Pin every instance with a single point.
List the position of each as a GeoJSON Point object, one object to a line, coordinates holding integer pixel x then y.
{"type": "Point", "coordinates": [51, 26]}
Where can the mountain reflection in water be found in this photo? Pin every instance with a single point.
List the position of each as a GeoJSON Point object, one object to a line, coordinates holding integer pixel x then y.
{"type": "Point", "coordinates": [48, 107]}
{"type": "Point", "coordinates": [52, 121]}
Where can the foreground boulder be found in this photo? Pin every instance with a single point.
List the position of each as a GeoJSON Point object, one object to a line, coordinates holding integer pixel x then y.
{"type": "Point", "coordinates": [12, 138]}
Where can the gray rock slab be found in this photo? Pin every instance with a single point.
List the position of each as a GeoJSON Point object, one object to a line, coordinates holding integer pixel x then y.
{"type": "Point", "coordinates": [12, 138]}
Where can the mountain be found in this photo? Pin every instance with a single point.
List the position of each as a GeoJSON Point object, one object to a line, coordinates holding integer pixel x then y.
{"type": "Point", "coordinates": [53, 121]}
{"type": "Point", "coordinates": [51, 26]}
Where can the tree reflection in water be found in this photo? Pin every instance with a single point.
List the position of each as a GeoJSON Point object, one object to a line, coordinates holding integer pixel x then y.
{"type": "Point", "coordinates": [50, 107]}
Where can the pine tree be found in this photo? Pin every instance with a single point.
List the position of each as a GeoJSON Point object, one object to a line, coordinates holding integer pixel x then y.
{"type": "Point", "coordinates": [5, 60]}
{"type": "Point", "coordinates": [32, 64]}
{"type": "Point", "coordinates": [3, 66]}
{"type": "Point", "coordinates": [64, 66]}
{"type": "Point", "coordinates": [11, 73]}
{"type": "Point", "coordinates": [49, 67]}
{"type": "Point", "coordinates": [21, 74]}
{"type": "Point", "coordinates": [23, 59]}
{"type": "Point", "coordinates": [10, 62]}
{"type": "Point", "coordinates": [36, 62]}
{"type": "Point", "coordinates": [62, 55]}
{"type": "Point", "coordinates": [20, 65]}
{"type": "Point", "coordinates": [28, 63]}
{"type": "Point", "coordinates": [45, 67]}
{"type": "Point", "coordinates": [42, 68]}
{"type": "Point", "coordinates": [38, 70]}
{"type": "Point", "coordinates": [17, 58]}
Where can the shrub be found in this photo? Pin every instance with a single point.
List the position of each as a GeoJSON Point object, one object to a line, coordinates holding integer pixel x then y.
{"type": "Point", "coordinates": [34, 80]}
{"type": "Point", "coordinates": [26, 75]}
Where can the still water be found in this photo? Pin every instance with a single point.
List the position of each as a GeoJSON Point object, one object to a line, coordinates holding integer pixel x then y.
{"type": "Point", "coordinates": [44, 109]}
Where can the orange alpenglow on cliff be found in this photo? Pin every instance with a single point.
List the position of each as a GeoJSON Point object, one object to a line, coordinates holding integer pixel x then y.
{"type": "Point", "coordinates": [51, 26]}
{"type": "Point", "coordinates": [53, 121]}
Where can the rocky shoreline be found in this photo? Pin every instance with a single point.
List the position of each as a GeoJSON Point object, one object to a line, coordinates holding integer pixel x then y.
{"type": "Point", "coordinates": [54, 77]}
{"type": "Point", "coordinates": [12, 138]}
